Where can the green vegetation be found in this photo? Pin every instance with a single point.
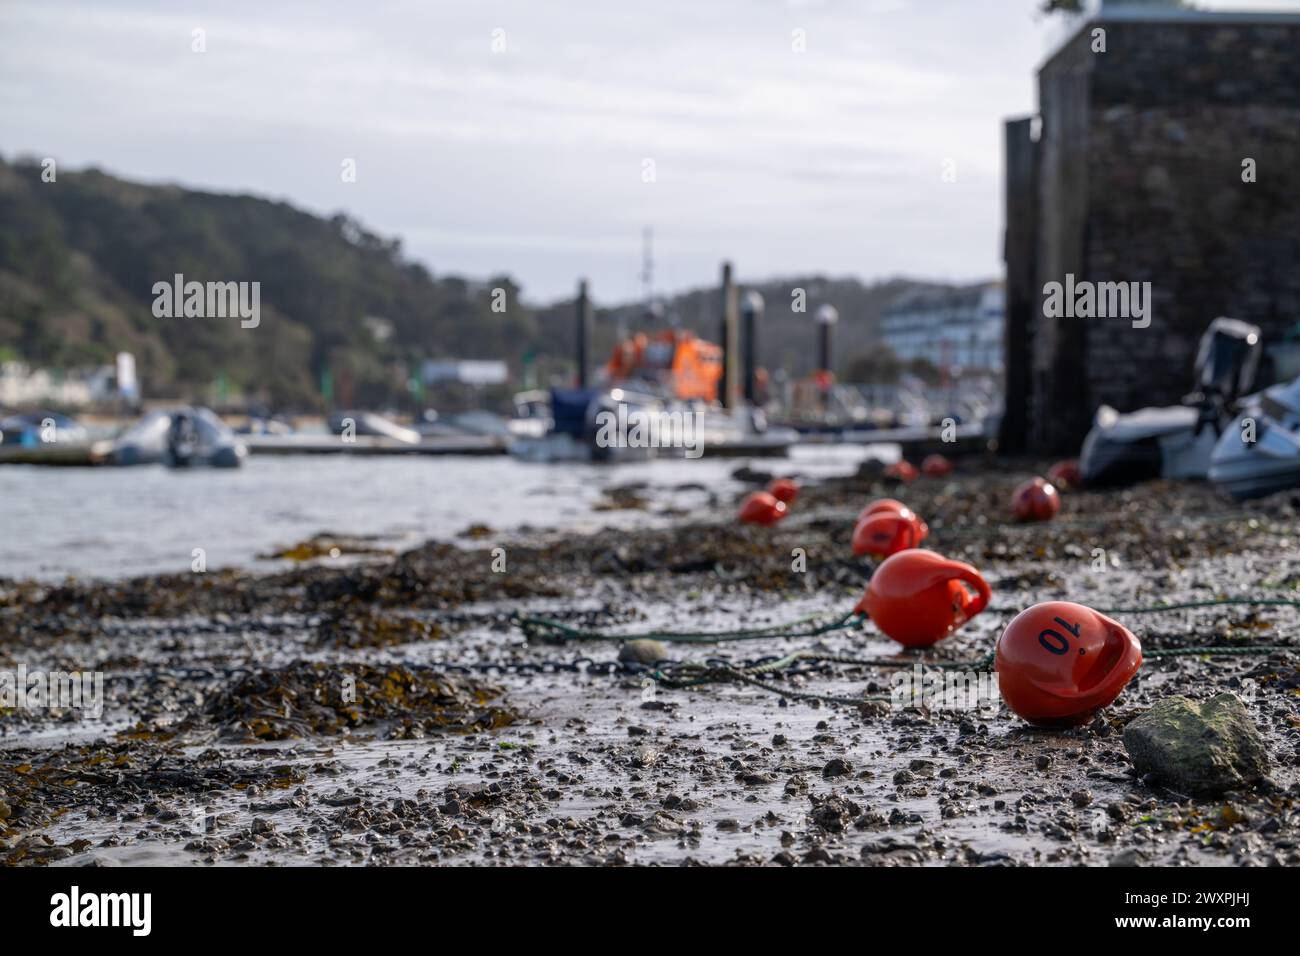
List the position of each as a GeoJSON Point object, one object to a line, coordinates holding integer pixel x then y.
{"type": "Point", "coordinates": [79, 259]}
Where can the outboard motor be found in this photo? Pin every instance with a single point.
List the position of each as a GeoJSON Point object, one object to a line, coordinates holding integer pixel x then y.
{"type": "Point", "coordinates": [182, 439]}
{"type": "Point", "coordinates": [1177, 442]}
{"type": "Point", "coordinates": [1258, 452]}
{"type": "Point", "coordinates": [1226, 364]}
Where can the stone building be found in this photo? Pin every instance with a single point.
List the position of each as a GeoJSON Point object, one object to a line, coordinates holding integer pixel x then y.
{"type": "Point", "coordinates": [1166, 151]}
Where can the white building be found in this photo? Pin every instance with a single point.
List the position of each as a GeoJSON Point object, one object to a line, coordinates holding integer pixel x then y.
{"type": "Point", "coordinates": [465, 371]}
{"type": "Point", "coordinates": [24, 387]}
{"type": "Point", "coordinates": [958, 328]}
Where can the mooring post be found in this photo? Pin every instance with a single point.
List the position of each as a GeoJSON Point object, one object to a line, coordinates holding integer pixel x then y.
{"type": "Point", "coordinates": [730, 365]}
{"type": "Point", "coordinates": [583, 317]}
{"type": "Point", "coordinates": [827, 316]}
{"type": "Point", "coordinates": [751, 312]}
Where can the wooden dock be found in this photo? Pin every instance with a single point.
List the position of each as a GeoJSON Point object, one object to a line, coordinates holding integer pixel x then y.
{"type": "Point", "coordinates": [52, 453]}
{"type": "Point", "coordinates": [371, 445]}
{"type": "Point", "coordinates": [913, 440]}
{"type": "Point", "coordinates": [463, 445]}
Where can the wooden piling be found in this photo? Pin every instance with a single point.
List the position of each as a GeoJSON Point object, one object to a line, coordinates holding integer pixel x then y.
{"type": "Point", "coordinates": [729, 338]}
{"type": "Point", "coordinates": [582, 317]}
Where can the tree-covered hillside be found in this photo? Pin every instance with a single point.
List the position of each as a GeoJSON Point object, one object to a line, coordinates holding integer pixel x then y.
{"type": "Point", "coordinates": [79, 258]}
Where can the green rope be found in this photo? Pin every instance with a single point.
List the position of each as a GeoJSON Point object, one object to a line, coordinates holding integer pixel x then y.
{"type": "Point", "coordinates": [701, 674]}
{"type": "Point", "coordinates": [1179, 606]}
{"type": "Point", "coordinates": [696, 674]}
{"type": "Point", "coordinates": [1217, 602]}
{"type": "Point", "coordinates": [1247, 651]}
{"type": "Point", "coordinates": [720, 673]}
{"type": "Point", "coordinates": [547, 630]}
{"type": "Point", "coordinates": [808, 695]}
{"type": "Point", "coordinates": [711, 673]}
{"type": "Point", "coordinates": [552, 631]}
{"type": "Point", "coordinates": [981, 663]}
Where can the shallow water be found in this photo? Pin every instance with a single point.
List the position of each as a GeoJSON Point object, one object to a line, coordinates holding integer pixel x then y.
{"type": "Point", "coordinates": [114, 522]}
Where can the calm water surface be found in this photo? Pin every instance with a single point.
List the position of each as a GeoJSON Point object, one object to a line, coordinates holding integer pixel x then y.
{"type": "Point", "coordinates": [115, 522]}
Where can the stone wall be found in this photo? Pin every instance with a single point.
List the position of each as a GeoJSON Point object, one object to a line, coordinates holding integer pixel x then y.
{"type": "Point", "coordinates": [1141, 180]}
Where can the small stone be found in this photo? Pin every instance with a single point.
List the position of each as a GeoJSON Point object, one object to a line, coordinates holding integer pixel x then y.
{"type": "Point", "coordinates": [642, 652]}
{"type": "Point", "coordinates": [1042, 761]}
{"type": "Point", "coordinates": [833, 813]}
{"type": "Point", "coordinates": [1198, 748]}
{"type": "Point", "coordinates": [837, 767]}
{"type": "Point", "coordinates": [50, 853]}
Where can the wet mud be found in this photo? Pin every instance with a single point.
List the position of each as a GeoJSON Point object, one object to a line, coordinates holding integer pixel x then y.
{"type": "Point", "coordinates": [385, 709]}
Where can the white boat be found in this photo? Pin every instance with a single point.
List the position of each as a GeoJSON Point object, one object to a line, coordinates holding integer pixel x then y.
{"type": "Point", "coordinates": [1260, 453]}
{"type": "Point", "coordinates": [33, 429]}
{"type": "Point", "coordinates": [619, 425]}
{"type": "Point", "coordinates": [182, 438]}
{"type": "Point", "coordinates": [1176, 441]}
{"type": "Point", "coordinates": [370, 424]}
{"type": "Point", "coordinates": [572, 426]}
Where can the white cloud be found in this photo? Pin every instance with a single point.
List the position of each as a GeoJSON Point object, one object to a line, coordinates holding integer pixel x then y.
{"type": "Point", "coordinates": [529, 161]}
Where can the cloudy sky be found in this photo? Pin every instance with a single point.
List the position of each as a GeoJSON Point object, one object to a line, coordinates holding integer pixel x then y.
{"type": "Point", "coordinates": [531, 158]}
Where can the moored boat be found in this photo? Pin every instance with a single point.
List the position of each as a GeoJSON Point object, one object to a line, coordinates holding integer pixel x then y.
{"type": "Point", "coordinates": [1260, 452]}
{"type": "Point", "coordinates": [181, 438]}
{"type": "Point", "coordinates": [1176, 441]}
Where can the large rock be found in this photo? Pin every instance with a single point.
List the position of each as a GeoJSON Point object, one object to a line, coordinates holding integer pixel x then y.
{"type": "Point", "coordinates": [1198, 748]}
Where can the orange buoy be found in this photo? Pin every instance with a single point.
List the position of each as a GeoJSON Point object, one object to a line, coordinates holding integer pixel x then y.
{"type": "Point", "coordinates": [1059, 663]}
{"type": "Point", "coordinates": [882, 504]}
{"type": "Point", "coordinates": [761, 508]}
{"type": "Point", "coordinates": [1066, 475]}
{"type": "Point", "coordinates": [1035, 500]}
{"type": "Point", "coordinates": [936, 466]}
{"type": "Point", "coordinates": [885, 532]}
{"type": "Point", "coordinates": [901, 470]}
{"type": "Point", "coordinates": [919, 597]}
{"type": "Point", "coordinates": [784, 490]}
